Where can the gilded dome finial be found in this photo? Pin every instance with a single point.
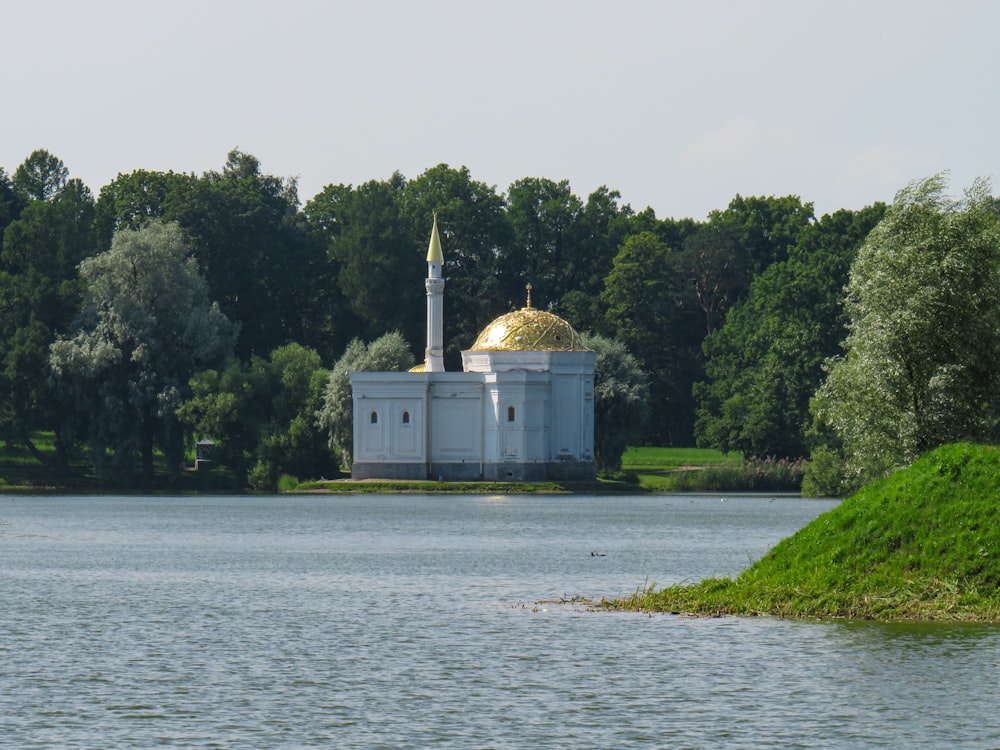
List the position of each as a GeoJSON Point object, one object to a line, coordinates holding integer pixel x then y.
{"type": "Point", "coordinates": [528, 287]}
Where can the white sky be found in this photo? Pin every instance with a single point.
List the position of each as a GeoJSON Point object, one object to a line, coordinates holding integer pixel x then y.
{"type": "Point", "coordinates": [678, 105]}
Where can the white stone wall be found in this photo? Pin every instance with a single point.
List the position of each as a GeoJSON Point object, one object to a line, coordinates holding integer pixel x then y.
{"type": "Point", "coordinates": [514, 415]}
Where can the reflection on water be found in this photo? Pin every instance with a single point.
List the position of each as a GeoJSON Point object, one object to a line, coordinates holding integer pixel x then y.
{"type": "Point", "coordinates": [413, 622]}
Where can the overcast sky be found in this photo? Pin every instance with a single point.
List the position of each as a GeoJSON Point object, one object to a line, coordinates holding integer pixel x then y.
{"type": "Point", "coordinates": [678, 105]}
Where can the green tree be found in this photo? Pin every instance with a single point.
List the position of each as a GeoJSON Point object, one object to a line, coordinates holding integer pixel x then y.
{"type": "Point", "coordinates": [11, 203]}
{"type": "Point", "coordinates": [718, 270]}
{"type": "Point", "coordinates": [260, 261]}
{"type": "Point", "coordinates": [763, 366]}
{"type": "Point", "coordinates": [648, 308]}
{"type": "Point", "coordinates": [766, 227]}
{"type": "Point", "coordinates": [146, 327]}
{"type": "Point", "coordinates": [294, 442]}
{"type": "Point", "coordinates": [378, 262]}
{"type": "Point", "coordinates": [721, 257]}
{"type": "Point", "coordinates": [600, 228]}
{"type": "Point", "coordinates": [621, 396]}
{"type": "Point", "coordinates": [264, 266]}
{"type": "Point", "coordinates": [924, 336]}
{"type": "Point", "coordinates": [231, 406]}
{"type": "Point", "coordinates": [261, 416]}
{"type": "Point", "coordinates": [41, 177]}
{"type": "Point", "coordinates": [474, 229]}
{"type": "Point", "coordinates": [131, 200]}
{"type": "Point", "coordinates": [389, 353]}
{"type": "Point", "coordinates": [542, 216]}
{"type": "Point", "coordinates": [39, 297]}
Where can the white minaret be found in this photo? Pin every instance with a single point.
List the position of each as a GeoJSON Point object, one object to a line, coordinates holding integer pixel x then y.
{"type": "Point", "coordinates": [434, 354]}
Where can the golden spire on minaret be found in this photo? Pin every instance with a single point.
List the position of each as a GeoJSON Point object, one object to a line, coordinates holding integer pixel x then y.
{"type": "Point", "coordinates": [528, 306]}
{"type": "Point", "coordinates": [434, 254]}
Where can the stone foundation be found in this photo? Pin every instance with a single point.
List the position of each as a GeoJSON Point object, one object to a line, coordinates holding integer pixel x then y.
{"type": "Point", "coordinates": [556, 471]}
{"type": "Point", "coordinates": [389, 471]}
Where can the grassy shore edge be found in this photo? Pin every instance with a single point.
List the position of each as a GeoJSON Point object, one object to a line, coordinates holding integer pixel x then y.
{"type": "Point", "coordinates": [921, 545]}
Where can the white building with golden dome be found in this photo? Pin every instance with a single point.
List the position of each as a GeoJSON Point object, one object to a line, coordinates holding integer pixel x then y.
{"type": "Point", "coordinates": [522, 409]}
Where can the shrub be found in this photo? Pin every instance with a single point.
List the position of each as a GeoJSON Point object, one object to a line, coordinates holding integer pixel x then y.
{"type": "Point", "coordinates": [287, 483]}
{"type": "Point", "coordinates": [753, 475]}
{"type": "Point", "coordinates": [823, 474]}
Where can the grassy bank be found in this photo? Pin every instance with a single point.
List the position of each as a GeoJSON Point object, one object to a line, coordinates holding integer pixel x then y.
{"type": "Point", "coordinates": [644, 469]}
{"type": "Point", "coordinates": [923, 544]}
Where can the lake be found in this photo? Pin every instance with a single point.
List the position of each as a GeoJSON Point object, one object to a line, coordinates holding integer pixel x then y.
{"type": "Point", "coordinates": [410, 621]}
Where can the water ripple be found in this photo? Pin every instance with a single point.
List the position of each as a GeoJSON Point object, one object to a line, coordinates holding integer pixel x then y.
{"type": "Point", "coordinates": [286, 623]}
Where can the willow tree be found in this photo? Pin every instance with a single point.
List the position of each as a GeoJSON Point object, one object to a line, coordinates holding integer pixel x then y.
{"type": "Point", "coordinates": [923, 302]}
{"type": "Point", "coordinates": [146, 327]}
{"type": "Point", "coordinates": [621, 398]}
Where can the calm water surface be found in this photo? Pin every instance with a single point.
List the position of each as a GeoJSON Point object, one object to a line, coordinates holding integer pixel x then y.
{"type": "Point", "coordinates": [415, 622]}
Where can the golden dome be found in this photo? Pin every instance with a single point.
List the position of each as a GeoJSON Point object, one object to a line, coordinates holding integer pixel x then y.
{"type": "Point", "coordinates": [529, 330]}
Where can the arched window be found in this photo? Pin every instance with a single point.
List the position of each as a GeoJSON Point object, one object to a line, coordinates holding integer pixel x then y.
{"type": "Point", "coordinates": [374, 418]}
{"type": "Point", "coordinates": [406, 417]}
{"type": "Point", "coordinates": [510, 413]}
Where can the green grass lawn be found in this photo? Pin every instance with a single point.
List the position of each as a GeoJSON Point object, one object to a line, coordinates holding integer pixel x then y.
{"type": "Point", "coordinates": [655, 469]}
{"type": "Point", "coordinates": [669, 459]}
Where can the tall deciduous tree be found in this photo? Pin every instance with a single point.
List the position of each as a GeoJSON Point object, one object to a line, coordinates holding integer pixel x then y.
{"type": "Point", "coordinates": [924, 339]}
{"type": "Point", "coordinates": [647, 303]}
{"type": "Point", "coordinates": [39, 297]}
{"type": "Point", "coordinates": [146, 327]}
{"type": "Point", "coordinates": [474, 229]}
{"type": "Point", "coordinates": [765, 363]}
{"type": "Point", "coordinates": [11, 202]}
{"type": "Point", "coordinates": [295, 444]}
{"type": "Point", "coordinates": [41, 177]}
{"type": "Point", "coordinates": [263, 266]}
{"type": "Point", "coordinates": [378, 262]}
{"type": "Point", "coordinates": [766, 227]}
{"type": "Point", "coordinates": [542, 215]}
{"type": "Point", "coordinates": [601, 226]}
{"type": "Point", "coordinates": [718, 270]}
{"type": "Point", "coordinates": [131, 200]}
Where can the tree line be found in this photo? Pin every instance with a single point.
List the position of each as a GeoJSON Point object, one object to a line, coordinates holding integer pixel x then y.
{"type": "Point", "coordinates": [734, 320]}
